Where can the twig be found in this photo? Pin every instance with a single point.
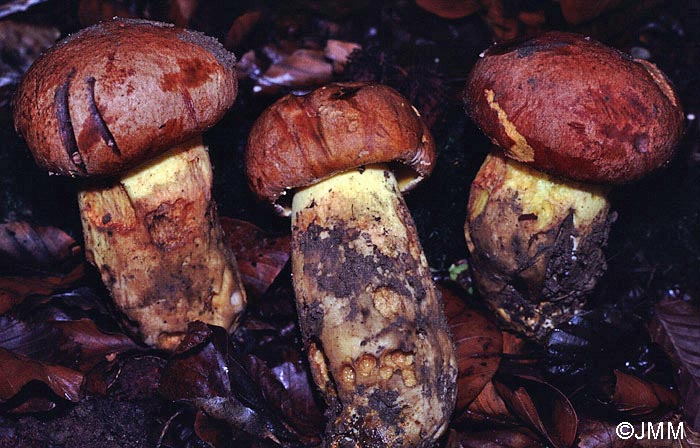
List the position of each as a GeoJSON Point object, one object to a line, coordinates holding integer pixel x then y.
{"type": "Point", "coordinates": [17, 6]}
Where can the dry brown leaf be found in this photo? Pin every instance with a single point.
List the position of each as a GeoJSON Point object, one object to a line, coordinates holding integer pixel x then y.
{"type": "Point", "coordinates": [241, 28]}
{"type": "Point", "coordinates": [478, 345]}
{"type": "Point", "coordinates": [339, 52]}
{"type": "Point", "coordinates": [488, 407]}
{"type": "Point", "coordinates": [542, 406]}
{"type": "Point", "coordinates": [302, 69]}
{"type": "Point", "coordinates": [450, 9]}
{"type": "Point", "coordinates": [635, 396]}
{"type": "Point", "coordinates": [578, 11]}
{"type": "Point", "coordinates": [17, 370]}
{"type": "Point", "coordinates": [260, 256]}
{"type": "Point", "coordinates": [676, 328]}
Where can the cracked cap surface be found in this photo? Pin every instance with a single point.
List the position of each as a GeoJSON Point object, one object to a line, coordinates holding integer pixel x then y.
{"type": "Point", "coordinates": [117, 94]}
{"type": "Point", "coordinates": [300, 140]}
{"type": "Point", "coordinates": [575, 108]}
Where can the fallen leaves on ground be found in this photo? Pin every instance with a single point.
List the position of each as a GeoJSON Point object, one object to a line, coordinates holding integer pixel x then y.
{"type": "Point", "coordinates": [478, 344]}
{"type": "Point", "coordinates": [20, 45]}
{"type": "Point", "coordinates": [260, 257]}
{"type": "Point", "coordinates": [450, 9]}
{"type": "Point", "coordinates": [35, 260]}
{"type": "Point", "coordinates": [206, 372]}
{"type": "Point", "coordinates": [19, 370]}
{"type": "Point", "coordinates": [676, 328]}
{"type": "Point", "coordinates": [634, 396]}
{"type": "Point", "coordinates": [495, 438]}
{"type": "Point", "coordinates": [542, 406]}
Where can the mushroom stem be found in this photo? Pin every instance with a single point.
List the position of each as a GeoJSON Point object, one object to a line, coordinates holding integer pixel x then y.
{"type": "Point", "coordinates": [370, 314]}
{"type": "Point", "coordinates": [536, 243]}
{"type": "Point", "coordinates": [155, 237]}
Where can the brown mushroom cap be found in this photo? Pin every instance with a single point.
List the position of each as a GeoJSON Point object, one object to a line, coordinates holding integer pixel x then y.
{"type": "Point", "coordinates": [300, 140]}
{"type": "Point", "coordinates": [117, 94]}
{"type": "Point", "coordinates": [573, 107]}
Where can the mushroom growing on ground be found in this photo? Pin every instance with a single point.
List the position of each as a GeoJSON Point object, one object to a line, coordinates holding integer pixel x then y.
{"type": "Point", "coordinates": [126, 102]}
{"type": "Point", "coordinates": [570, 117]}
{"type": "Point", "coordinates": [371, 318]}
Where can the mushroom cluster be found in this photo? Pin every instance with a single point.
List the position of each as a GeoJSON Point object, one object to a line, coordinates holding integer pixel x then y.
{"type": "Point", "coordinates": [371, 318]}
{"type": "Point", "coordinates": [124, 103]}
{"type": "Point", "coordinates": [569, 117]}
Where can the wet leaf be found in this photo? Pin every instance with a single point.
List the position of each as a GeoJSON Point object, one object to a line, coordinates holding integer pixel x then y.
{"type": "Point", "coordinates": [676, 328]}
{"type": "Point", "coordinates": [20, 45]}
{"type": "Point", "coordinates": [212, 431]}
{"type": "Point", "coordinates": [89, 344]}
{"type": "Point", "coordinates": [94, 11]}
{"type": "Point", "coordinates": [300, 69]}
{"type": "Point", "coordinates": [27, 249]}
{"type": "Point", "coordinates": [578, 11]}
{"type": "Point", "coordinates": [500, 438]}
{"type": "Point", "coordinates": [450, 9]}
{"type": "Point", "coordinates": [601, 434]}
{"type": "Point", "coordinates": [288, 385]}
{"type": "Point", "coordinates": [339, 52]}
{"type": "Point", "coordinates": [35, 340]}
{"type": "Point", "coordinates": [241, 28]}
{"type": "Point", "coordinates": [543, 407]}
{"type": "Point", "coordinates": [635, 396]}
{"type": "Point", "coordinates": [181, 11]}
{"type": "Point", "coordinates": [16, 371]}
{"type": "Point", "coordinates": [260, 256]}
{"type": "Point", "coordinates": [478, 344]}
{"type": "Point", "coordinates": [35, 260]}
{"type": "Point", "coordinates": [488, 407]}
{"type": "Point", "coordinates": [205, 372]}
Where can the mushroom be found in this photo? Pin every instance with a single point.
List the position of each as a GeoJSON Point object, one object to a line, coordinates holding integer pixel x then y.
{"type": "Point", "coordinates": [125, 102]}
{"type": "Point", "coordinates": [371, 318]}
{"type": "Point", "coordinates": [570, 117]}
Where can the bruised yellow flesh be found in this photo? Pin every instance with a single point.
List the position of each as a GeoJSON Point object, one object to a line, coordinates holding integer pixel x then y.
{"type": "Point", "coordinates": [546, 196]}
{"type": "Point", "coordinates": [535, 241]}
{"type": "Point", "coordinates": [371, 317]}
{"type": "Point", "coordinates": [155, 237]}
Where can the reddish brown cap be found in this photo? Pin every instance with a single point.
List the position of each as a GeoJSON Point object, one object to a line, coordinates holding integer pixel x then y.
{"type": "Point", "coordinates": [116, 94]}
{"type": "Point", "coordinates": [575, 108]}
{"type": "Point", "coordinates": [300, 140]}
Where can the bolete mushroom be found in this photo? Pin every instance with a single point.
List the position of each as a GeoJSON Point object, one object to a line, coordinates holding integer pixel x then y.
{"type": "Point", "coordinates": [371, 318]}
{"type": "Point", "coordinates": [570, 117]}
{"type": "Point", "coordinates": [125, 102]}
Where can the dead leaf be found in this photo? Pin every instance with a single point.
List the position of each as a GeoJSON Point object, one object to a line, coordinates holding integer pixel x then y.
{"type": "Point", "coordinates": [17, 370]}
{"type": "Point", "coordinates": [450, 9]}
{"type": "Point", "coordinates": [89, 344]}
{"type": "Point", "coordinates": [35, 260]}
{"type": "Point", "coordinates": [91, 12]}
{"type": "Point", "coordinates": [500, 438]}
{"type": "Point", "coordinates": [601, 434]}
{"type": "Point", "coordinates": [478, 345]}
{"type": "Point", "coordinates": [488, 407]}
{"type": "Point", "coordinates": [301, 69]}
{"type": "Point", "coordinates": [676, 328]}
{"type": "Point", "coordinates": [576, 12]}
{"type": "Point", "coordinates": [542, 406]}
{"type": "Point", "coordinates": [27, 249]}
{"type": "Point", "coordinates": [339, 52]}
{"type": "Point", "coordinates": [181, 11]}
{"type": "Point", "coordinates": [260, 256]}
{"type": "Point", "coordinates": [14, 290]}
{"type": "Point", "coordinates": [205, 372]}
{"type": "Point", "coordinates": [212, 431]}
{"type": "Point", "coordinates": [35, 340]}
{"type": "Point", "coordinates": [20, 45]}
{"type": "Point", "coordinates": [635, 396]}
{"type": "Point", "coordinates": [241, 28]}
